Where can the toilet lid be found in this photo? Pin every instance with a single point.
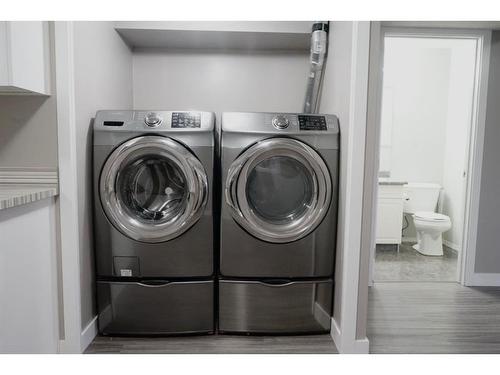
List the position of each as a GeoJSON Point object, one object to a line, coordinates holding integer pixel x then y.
{"type": "Point", "coordinates": [431, 216]}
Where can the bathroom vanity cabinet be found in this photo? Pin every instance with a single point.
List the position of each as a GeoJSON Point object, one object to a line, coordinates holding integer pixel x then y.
{"type": "Point", "coordinates": [389, 213]}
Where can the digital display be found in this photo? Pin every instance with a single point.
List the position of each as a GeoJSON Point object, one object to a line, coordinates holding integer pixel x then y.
{"type": "Point", "coordinates": [307, 122]}
{"type": "Point", "coordinates": [186, 120]}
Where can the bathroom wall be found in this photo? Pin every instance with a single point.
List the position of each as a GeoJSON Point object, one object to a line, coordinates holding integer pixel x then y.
{"type": "Point", "coordinates": [456, 146]}
{"type": "Point", "coordinates": [426, 113]}
{"type": "Point", "coordinates": [414, 101]}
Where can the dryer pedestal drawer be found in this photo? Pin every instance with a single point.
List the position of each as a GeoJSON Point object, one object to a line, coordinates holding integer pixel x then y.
{"type": "Point", "coordinates": [155, 308]}
{"type": "Point", "coordinates": [262, 307]}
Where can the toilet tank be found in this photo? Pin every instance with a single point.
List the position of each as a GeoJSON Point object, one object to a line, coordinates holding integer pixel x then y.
{"type": "Point", "coordinates": [420, 196]}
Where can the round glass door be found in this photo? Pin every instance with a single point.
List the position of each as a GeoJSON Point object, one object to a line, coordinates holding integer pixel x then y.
{"type": "Point", "coordinates": [153, 189]}
{"type": "Point", "coordinates": [279, 190]}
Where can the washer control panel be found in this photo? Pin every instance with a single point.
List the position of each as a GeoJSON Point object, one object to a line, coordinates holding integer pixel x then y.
{"type": "Point", "coordinates": [280, 122]}
{"type": "Point", "coordinates": [152, 119]}
{"type": "Point", "coordinates": [186, 120]}
{"type": "Point", "coordinates": [309, 122]}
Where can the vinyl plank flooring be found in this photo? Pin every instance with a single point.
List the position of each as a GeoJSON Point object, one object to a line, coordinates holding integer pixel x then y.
{"type": "Point", "coordinates": [433, 318]}
{"type": "Point", "coordinates": [214, 344]}
{"type": "Point", "coordinates": [408, 264]}
{"type": "Point", "coordinates": [406, 317]}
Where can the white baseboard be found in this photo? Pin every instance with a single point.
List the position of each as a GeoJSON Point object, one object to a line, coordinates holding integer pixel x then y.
{"type": "Point", "coordinates": [321, 315]}
{"type": "Point", "coordinates": [88, 334]}
{"type": "Point", "coordinates": [485, 279]}
{"type": "Point", "coordinates": [409, 239]}
{"type": "Point", "coordinates": [451, 245]}
{"type": "Point", "coordinates": [345, 346]}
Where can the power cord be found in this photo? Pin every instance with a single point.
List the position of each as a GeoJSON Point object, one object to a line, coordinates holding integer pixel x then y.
{"type": "Point", "coordinates": [406, 222]}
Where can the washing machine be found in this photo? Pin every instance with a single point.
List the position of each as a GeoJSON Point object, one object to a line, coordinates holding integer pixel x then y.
{"type": "Point", "coordinates": [153, 222]}
{"type": "Point", "coordinates": [279, 174]}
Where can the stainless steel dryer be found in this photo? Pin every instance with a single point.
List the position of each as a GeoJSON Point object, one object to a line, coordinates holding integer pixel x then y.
{"type": "Point", "coordinates": [153, 223]}
{"type": "Point", "coordinates": [278, 222]}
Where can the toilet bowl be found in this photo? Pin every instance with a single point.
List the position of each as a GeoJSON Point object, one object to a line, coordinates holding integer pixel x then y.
{"type": "Point", "coordinates": [430, 226]}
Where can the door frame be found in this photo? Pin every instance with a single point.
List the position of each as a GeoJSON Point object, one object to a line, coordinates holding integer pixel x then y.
{"type": "Point", "coordinates": [465, 269]}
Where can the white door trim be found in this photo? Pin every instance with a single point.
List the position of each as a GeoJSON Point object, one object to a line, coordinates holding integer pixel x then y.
{"type": "Point", "coordinates": [68, 188]}
{"type": "Point", "coordinates": [344, 332]}
{"type": "Point", "coordinates": [476, 139]}
{"type": "Point", "coordinates": [476, 144]}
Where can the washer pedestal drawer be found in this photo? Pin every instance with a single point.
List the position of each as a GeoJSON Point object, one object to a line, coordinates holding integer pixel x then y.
{"type": "Point", "coordinates": [155, 307]}
{"type": "Point", "coordinates": [273, 307]}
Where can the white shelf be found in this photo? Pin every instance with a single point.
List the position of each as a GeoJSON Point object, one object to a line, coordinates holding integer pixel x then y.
{"type": "Point", "coordinates": [226, 35]}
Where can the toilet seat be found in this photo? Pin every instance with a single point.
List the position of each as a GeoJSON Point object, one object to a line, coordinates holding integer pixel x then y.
{"type": "Point", "coordinates": [431, 216]}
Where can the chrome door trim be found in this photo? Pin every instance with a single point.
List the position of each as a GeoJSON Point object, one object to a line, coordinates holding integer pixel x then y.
{"type": "Point", "coordinates": [235, 190]}
{"type": "Point", "coordinates": [196, 180]}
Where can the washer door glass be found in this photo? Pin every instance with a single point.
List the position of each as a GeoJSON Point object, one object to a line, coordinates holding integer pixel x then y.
{"type": "Point", "coordinates": [279, 190]}
{"type": "Point", "coordinates": [153, 189]}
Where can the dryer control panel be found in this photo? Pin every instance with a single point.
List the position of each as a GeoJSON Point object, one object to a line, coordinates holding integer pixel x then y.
{"type": "Point", "coordinates": [308, 122]}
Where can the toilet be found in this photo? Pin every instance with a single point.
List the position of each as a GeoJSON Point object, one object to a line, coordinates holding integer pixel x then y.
{"type": "Point", "coordinates": [420, 200]}
{"type": "Point", "coordinates": [430, 227]}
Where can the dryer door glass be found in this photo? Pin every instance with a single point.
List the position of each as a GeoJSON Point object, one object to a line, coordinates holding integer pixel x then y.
{"type": "Point", "coordinates": [153, 189]}
{"type": "Point", "coordinates": [279, 190]}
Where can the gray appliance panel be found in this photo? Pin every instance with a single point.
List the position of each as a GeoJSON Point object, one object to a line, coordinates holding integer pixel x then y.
{"type": "Point", "coordinates": [135, 121]}
{"type": "Point", "coordinates": [189, 255]}
{"type": "Point", "coordinates": [243, 255]}
{"type": "Point", "coordinates": [258, 307]}
{"type": "Point", "coordinates": [172, 308]}
{"type": "Point", "coordinates": [262, 122]}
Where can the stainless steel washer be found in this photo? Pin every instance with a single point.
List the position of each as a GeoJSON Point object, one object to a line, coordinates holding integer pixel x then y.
{"type": "Point", "coordinates": [279, 175]}
{"type": "Point", "coordinates": [153, 221]}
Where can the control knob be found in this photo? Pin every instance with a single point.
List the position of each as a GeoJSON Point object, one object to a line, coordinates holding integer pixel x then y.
{"type": "Point", "coordinates": [280, 122]}
{"type": "Point", "coordinates": [152, 119]}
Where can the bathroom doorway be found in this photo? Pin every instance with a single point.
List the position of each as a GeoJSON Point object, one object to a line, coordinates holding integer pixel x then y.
{"type": "Point", "coordinates": [430, 139]}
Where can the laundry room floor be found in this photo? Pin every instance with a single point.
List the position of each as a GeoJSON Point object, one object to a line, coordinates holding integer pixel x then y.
{"type": "Point", "coordinates": [214, 344]}
{"type": "Point", "coordinates": [433, 317]}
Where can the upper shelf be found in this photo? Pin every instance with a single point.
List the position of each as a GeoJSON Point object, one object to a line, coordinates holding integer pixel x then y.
{"type": "Point", "coordinates": [243, 35]}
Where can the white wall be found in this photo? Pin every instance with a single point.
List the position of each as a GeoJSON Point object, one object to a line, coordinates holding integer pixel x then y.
{"type": "Point", "coordinates": [29, 123]}
{"type": "Point", "coordinates": [456, 146]}
{"type": "Point", "coordinates": [426, 117]}
{"type": "Point", "coordinates": [28, 279]}
{"type": "Point", "coordinates": [103, 80]}
{"type": "Point", "coordinates": [414, 101]}
{"type": "Point", "coordinates": [345, 91]}
{"type": "Point", "coordinates": [219, 81]}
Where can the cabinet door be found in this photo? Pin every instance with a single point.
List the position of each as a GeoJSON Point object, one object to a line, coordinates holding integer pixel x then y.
{"type": "Point", "coordinates": [24, 57]}
{"type": "Point", "coordinates": [389, 221]}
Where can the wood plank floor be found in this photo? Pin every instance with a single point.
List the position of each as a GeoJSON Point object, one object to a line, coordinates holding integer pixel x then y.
{"type": "Point", "coordinates": [433, 318]}
{"type": "Point", "coordinates": [403, 318]}
{"type": "Point", "coordinates": [215, 344]}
